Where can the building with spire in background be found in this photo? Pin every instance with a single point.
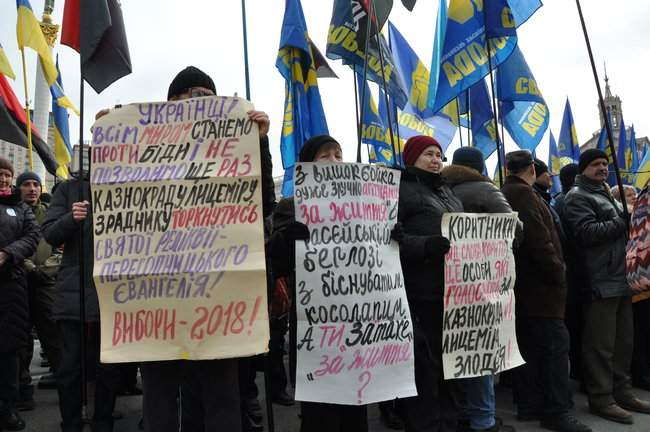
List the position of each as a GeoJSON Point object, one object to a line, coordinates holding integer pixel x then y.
{"type": "Point", "coordinates": [614, 106]}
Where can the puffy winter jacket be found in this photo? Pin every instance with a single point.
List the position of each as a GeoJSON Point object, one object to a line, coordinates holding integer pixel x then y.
{"type": "Point", "coordinates": [19, 236]}
{"type": "Point", "coordinates": [423, 199]}
{"type": "Point", "coordinates": [598, 227]}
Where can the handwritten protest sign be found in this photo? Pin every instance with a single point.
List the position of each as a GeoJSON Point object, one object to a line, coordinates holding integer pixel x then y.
{"type": "Point", "coordinates": [178, 239]}
{"type": "Point", "coordinates": [479, 315]}
{"type": "Point", "coordinates": [355, 336]}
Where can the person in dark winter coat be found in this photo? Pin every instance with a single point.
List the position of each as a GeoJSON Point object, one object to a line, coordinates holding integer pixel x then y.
{"type": "Point", "coordinates": [315, 417]}
{"type": "Point", "coordinates": [478, 194]}
{"type": "Point", "coordinates": [423, 199]}
{"type": "Point", "coordinates": [542, 384]}
{"type": "Point", "coordinates": [69, 214]}
{"type": "Point", "coordinates": [41, 271]}
{"type": "Point", "coordinates": [599, 227]}
{"type": "Point", "coordinates": [19, 236]}
{"type": "Point", "coordinates": [210, 395]}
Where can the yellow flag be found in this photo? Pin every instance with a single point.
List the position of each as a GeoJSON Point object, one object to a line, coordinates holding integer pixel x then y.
{"type": "Point", "coordinates": [5, 67]}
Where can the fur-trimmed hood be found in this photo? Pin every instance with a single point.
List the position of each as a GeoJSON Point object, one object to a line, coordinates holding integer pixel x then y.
{"type": "Point", "coordinates": [459, 174]}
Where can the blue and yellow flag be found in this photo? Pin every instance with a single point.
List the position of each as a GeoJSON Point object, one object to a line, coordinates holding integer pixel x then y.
{"type": "Point", "coordinates": [29, 34]}
{"type": "Point", "coordinates": [633, 154]}
{"type": "Point", "coordinates": [374, 130]}
{"type": "Point", "coordinates": [603, 144]}
{"type": "Point", "coordinates": [398, 136]}
{"type": "Point", "coordinates": [62, 147]}
{"type": "Point", "coordinates": [416, 118]}
{"type": "Point", "coordinates": [460, 59]}
{"type": "Point", "coordinates": [555, 164]}
{"type": "Point", "coordinates": [5, 67]}
{"type": "Point", "coordinates": [568, 144]}
{"type": "Point", "coordinates": [303, 110]}
{"type": "Point", "coordinates": [482, 119]}
{"type": "Point", "coordinates": [523, 110]}
{"type": "Point", "coordinates": [643, 172]}
{"type": "Point", "coordinates": [622, 153]}
{"type": "Point", "coordinates": [345, 43]}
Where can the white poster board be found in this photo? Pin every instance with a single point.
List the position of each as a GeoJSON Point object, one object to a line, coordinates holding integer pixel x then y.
{"type": "Point", "coordinates": [355, 335]}
{"type": "Point", "coordinates": [479, 335]}
{"type": "Point", "coordinates": [178, 238]}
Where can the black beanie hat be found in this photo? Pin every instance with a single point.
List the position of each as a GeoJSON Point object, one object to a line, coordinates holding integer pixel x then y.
{"type": "Point", "coordinates": [188, 78]}
{"type": "Point", "coordinates": [470, 157]}
{"type": "Point", "coordinates": [312, 145]}
{"type": "Point", "coordinates": [589, 156]}
{"type": "Point", "coordinates": [28, 175]}
{"type": "Point", "coordinates": [568, 176]}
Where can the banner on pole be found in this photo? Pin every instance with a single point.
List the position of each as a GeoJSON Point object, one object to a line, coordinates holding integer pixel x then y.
{"type": "Point", "coordinates": [355, 335]}
{"type": "Point", "coordinates": [478, 330]}
{"type": "Point", "coordinates": [178, 239]}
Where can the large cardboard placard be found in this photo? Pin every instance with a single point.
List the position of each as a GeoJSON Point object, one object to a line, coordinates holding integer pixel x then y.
{"type": "Point", "coordinates": [355, 335]}
{"type": "Point", "coordinates": [178, 238]}
{"type": "Point", "coordinates": [479, 306]}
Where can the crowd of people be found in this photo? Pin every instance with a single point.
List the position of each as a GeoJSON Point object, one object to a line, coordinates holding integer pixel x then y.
{"type": "Point", "coordinates": [582, 290]}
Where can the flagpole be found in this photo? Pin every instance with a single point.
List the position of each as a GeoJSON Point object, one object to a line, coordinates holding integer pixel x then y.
{"type": "Point", "coordinates": [30, 156]}
{"type": "Point", "coordinates": [494, 105]}
{"type": "Point", "coordinates": [460, 130]}
{"type": "Point", "coordinates": [362, 103]}
{"type": "Point", "coordinates": [610, 136]}
{"type": "Point", "coordinates": [267, 362]}
{"type": "Point", "coordinates": [396, 114]}
{"type": "Point", "coordinates": [246, 68]}
{"type": "Point", "coordinates": [356, 106]}
{"type": "Point", "coordinates": [383, 80]}
{"type": "Point", "coordinates": [503, 134]}
{"type": "Point", "coordinates": [82, 259]}
{"type": "Point", "coordinates": [469, 118]}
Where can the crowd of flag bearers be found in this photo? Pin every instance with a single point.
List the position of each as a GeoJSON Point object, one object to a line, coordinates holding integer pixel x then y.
{"type": "Point", "coordinates": [582, 285]}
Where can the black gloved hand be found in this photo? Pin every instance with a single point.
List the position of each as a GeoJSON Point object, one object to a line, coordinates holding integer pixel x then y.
{"type": "Point", "coordinates": [397, 233]}
{"type": "Point", "coordinates": [435, 246]}
{"type": "Point", "coordinates": [296, 231]}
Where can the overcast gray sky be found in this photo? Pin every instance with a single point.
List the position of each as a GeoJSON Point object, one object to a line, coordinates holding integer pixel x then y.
{"type": "Point", "coordinates": [167, 35]}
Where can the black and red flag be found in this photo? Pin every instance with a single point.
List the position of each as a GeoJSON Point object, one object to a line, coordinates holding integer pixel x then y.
{"type": "Point", "coordinates": [95, 29]}
{"type": "Point", "coordinates": [13, 126]}
{"type": "Point", "coordinates": [361, 9]}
